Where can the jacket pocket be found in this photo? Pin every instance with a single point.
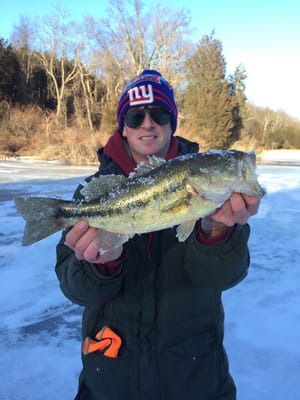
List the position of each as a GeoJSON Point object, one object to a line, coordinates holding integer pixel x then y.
{"type": "Point", "coordinates": [108, 378]}
{"type": "Point", "coordinates": [190, 368]}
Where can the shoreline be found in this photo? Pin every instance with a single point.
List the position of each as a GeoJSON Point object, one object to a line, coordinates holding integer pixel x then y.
{"type": "Point", "coordinates": [278, 157]}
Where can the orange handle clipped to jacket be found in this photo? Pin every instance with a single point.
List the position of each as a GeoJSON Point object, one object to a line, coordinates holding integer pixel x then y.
{"type": "Point", "coordinates": [107, 341]}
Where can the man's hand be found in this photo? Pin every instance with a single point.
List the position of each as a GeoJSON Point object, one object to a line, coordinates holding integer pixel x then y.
{"type": "Point", "coordinates": [236, 210]}
{"type": "Point", "coordinates": [86, 243]}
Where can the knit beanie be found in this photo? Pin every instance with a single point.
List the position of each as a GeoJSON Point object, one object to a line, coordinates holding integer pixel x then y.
{"type": "Point", "coordinates": [147, 88]}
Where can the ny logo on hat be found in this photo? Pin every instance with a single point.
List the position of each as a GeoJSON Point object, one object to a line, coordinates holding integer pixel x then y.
{"type": "Point", "coordinates": [140, 95]}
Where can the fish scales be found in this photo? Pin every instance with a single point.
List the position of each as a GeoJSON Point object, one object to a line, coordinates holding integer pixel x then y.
{"type": "Point", "coordinates": [143, 196]}
{"type": "Point", "coordinates": [142, 210]}
{"type": "Point", "coordinates": [157, 196]}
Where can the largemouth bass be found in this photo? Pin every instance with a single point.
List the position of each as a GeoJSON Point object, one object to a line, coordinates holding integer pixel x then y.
{"type": "Point", "coordinates": [158, 195]}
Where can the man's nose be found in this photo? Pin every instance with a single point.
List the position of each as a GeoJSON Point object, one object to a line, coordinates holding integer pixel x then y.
{"type": "Point", "coordinates": [147, 122]}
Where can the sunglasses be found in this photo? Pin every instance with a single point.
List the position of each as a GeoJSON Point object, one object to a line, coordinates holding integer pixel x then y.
{"type": "Point", "coordinates": [134, 119]}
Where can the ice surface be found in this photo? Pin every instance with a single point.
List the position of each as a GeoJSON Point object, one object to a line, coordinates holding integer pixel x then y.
{"type": "Point", "coordinates": [40, 329]}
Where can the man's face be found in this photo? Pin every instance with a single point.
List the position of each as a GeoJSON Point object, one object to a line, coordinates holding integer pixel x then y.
{"type": "Point", "coordinates": [148, 132]}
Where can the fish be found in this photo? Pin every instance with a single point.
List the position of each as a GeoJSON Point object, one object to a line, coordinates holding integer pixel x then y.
{"type": "Point", "coordinates": [158, 195]}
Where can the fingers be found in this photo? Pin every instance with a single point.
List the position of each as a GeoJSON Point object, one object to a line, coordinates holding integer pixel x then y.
{"type": "Point", "coordinates": [85, 241]}
{"type": "Point", "coordinates": [237, 209]}
{"type": "Point", "coordinates": [252, 204]}
{"type": "Point", "coordinates": [239, 213]}
{"type": "Point", "coordinates": [80, 239]}
{"type": "Point", "coordinates": [76, 233]}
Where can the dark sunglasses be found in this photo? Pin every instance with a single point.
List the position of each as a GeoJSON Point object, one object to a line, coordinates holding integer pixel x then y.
{"type": "Point", "coordinates": [134, 119]}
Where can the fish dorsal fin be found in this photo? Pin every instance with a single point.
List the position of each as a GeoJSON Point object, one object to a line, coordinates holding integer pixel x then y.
{"type": "Point", "coordinates": [97, 187]}
{"type": "Point", "coordinates": [156, 161]}
{"type": "Point", "coordinates": [144, 167]}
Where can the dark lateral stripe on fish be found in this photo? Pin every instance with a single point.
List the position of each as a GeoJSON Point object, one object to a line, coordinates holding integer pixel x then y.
{"type": "Point", "coordinates": [88, 210]}
{"type": "Point", "coordinates": [97, 209]}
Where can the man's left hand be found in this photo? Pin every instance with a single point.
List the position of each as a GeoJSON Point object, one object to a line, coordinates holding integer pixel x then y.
{"type": "Point", "coordinates": [236, 210]}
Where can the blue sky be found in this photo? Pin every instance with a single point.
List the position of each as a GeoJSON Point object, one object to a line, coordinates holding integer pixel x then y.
{"type": "Point", "coordinates": [263, 35]}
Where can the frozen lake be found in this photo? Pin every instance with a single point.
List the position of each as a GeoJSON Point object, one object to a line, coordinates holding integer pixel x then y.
{"type": "Point", "coordinates": [40, 329]}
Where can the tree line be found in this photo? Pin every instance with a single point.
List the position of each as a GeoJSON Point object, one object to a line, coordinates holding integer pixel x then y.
{"type": "Point", "coordinates": [60, 81]}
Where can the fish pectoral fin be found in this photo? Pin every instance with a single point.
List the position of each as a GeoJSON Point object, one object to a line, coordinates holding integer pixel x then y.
{"type": "Point", "coordinates": [96, 187]}
{"type": "Point", "coordinates": [184, 230]}
{"type": "Point", "coordinates": [178, 205]}
{"type": "Point", "coordinates": [110, 241]}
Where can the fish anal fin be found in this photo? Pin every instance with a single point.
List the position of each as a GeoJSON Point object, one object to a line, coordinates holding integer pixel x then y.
{"type": "Point", "coordinates": [184, 230]}
{"type": "Point", "coordinates": [111, 241]}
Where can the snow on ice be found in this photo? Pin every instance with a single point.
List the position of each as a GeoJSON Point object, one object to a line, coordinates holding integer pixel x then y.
{"type": "Point", "coordinates": [40, 328]}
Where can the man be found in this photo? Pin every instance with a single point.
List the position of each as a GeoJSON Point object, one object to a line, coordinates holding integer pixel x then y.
{"type": "Point", "coordinates": [153, 321]}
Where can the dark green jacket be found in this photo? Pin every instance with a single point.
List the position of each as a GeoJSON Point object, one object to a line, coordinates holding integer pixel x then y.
{"type": "Point", "coordinates": [165, 304]}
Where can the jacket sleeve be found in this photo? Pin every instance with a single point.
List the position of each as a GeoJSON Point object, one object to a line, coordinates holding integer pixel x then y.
{"type": "Point", "coordinates": [80, 281]}
{"type": "Point", "coordinates": [222, 265]}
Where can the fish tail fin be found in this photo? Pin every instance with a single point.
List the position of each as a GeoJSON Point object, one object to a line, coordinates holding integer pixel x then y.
{"type": "Point", "coordinates": [42, 216]}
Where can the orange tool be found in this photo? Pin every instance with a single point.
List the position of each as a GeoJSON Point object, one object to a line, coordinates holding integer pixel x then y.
{"type": "Point", "coordinates": [106, 341]}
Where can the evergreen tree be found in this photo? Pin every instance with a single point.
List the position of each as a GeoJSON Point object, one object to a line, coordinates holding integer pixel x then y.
{"type": "Point", "coordinates": [239, 99]}
{"type": "Point", "coordinates": [10, 73]}
{"type": "Point", "coordinates": [210, 102]}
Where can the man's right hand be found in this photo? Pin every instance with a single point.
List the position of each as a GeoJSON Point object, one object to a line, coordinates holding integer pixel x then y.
{"type": "Point", "coordinates": [85, 241]}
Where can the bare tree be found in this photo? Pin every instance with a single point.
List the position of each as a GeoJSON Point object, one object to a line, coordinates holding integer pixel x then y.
{"type": "Point", "coordinates": [87, 94]}
{"type": "Point", "coordinates": [22, 39]}
{"type": "Point", "coordinates": [59, 46]}
{"type": "Point", "coordinates": [134, 37]}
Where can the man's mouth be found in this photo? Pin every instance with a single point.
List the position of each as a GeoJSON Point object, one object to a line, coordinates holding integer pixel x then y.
{"type": "Point", "coordinates": [148, 138]}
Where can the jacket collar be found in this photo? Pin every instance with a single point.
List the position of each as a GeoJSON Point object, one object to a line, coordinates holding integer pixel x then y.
{"type": "Point", "coordinates": [116, 149]}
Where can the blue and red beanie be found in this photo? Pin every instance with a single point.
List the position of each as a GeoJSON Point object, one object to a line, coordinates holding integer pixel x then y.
{"type": "Point", "coordinates": [147, 88]}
